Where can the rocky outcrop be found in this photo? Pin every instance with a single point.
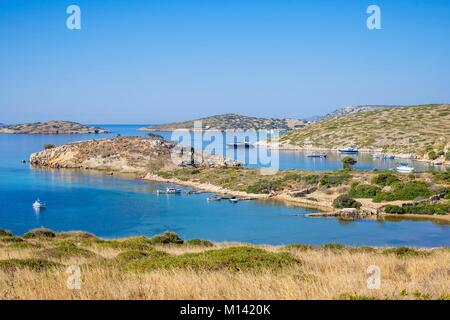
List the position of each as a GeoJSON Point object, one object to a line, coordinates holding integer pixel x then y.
{"type": "Point", "coordinates": [51, 127]}
{"type": "Point", "coordinates": [350, 213]}
{"type": "Point", "coordinates": [126, 154]}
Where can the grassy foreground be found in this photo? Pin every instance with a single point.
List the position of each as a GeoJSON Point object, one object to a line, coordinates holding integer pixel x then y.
{"type": "Point", "coordinates": [34, 266]}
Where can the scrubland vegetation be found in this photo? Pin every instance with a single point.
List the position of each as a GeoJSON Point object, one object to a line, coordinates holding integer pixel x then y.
{"type": "Point", "coordinates": [165, 266]}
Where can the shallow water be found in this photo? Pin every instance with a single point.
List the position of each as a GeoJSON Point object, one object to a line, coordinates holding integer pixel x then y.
{"type": "Point", "coordinates": [112, 206]}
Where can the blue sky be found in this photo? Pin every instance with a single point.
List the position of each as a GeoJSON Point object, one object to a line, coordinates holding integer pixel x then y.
{"type": "Point", "coordinates": [157, 61]}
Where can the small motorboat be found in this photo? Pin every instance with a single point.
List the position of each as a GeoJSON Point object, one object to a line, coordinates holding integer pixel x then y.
{"type": "Point", "coordinates": [38, 204]}
{"type": "Point", "coordinates": [233, 200]}
{"type": "Point", "coordinates": [214, 198]}
{"type": "Point", "coordinates": [317, 155]}
{"type": "Point", "coordinates": [236, 145]}
{"type": "Point", "coordinates": [404, 168]}
{"type": "Point", "coordinates": [351, 149]}
{"type": "Point", "coordinates": [383, 156]}
{"type": "Point", "coordinates": [169, 190]}
{"type": "Point", "coordinates": [191, 192]}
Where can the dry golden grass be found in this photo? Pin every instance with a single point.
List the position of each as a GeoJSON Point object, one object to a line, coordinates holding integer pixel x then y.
{"type": "Point", "coordinates": [333, 272]}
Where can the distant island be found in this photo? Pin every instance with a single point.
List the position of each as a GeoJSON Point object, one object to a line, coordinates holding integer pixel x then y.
{"type": "Point", "coordinates": [51, 127]}
{"type": "Point", "coordinates": [417, 132]}
{"type": "Point", "coordinates": [232, 121]}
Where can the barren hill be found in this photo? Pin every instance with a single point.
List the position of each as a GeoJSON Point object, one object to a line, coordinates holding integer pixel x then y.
{"type": "Point", "coordinates": [420, 130]}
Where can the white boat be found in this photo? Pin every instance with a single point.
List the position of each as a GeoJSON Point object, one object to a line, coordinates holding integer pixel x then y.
{"type": "Point", "coordinates": [317, 155]}
{"type": "Point", "coordinates": [169, 190]}
{"type": "Point", "coordinates": [233, 200]}
{"type": "Point", "coordinates": [38, 204]}
{"type": "Point", "coordinates": [351, 149]}
{"type": "Point", "coordinates": [404, 168]}
{"type": "Point", "coordinates": [214, 198]}
{"type": "Point", "coordinates": [383, 156]}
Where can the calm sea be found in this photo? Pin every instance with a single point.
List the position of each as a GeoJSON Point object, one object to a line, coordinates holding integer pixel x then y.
{"type": "Point", "coordinates": [110, 206]}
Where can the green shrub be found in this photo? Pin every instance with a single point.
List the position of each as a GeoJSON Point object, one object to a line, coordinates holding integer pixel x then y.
{"type": "Point", "coordinates": [233, 258]}
{"type": "Point", "coordinates": [364, 191]}
{"type": "Point", "coordinates": [348, 163]}
{"type": "Point", "coordinates": [133, 255]}
{"type": "Point", "coordinates": [424, 208]}
{"type": "Point", "coordinates": [393, 209]}
{"type": "Point", "coordinates": [447, 155]}
{"type": "Point", "coordinates": [65, 250]}
{"type": "Point", "coordinates": [432, 155]}
{"type": "Point", "coordinates": [334, 180]}
{"type": "Point", "coordinates": [199, 243]}
{"type": "Point", "coordinates": [167, 237]}
{"type": "Point", "coordinates": [385, 179]}
{"type": "Point", "coordinates": [300, 247]}
{"type": "Point", "coordinates": [40, 233]}
{"type": "Point", "coordinates": [33, 264]}
{"type": "Point", "coordinates": [76, 235]}
{"type": "Point", "coordinates": [5, 233]}
{"type": "Point", "coordinates": [408, 190]}
{"type": "Point", "coordinates": [345, 201]}
{"type": "Point", "coordinates": [334, 246]}
{"type": "Point", "coordinates": [264, 186]}
{"type": "Point", "coordinates": [405, 252]}
{"type": "Point", "coordinates": [165, 174]}
{"type": "Point", "coordinates": [442, 177]}
{"type": "Point", "coordinates": [49, 146]}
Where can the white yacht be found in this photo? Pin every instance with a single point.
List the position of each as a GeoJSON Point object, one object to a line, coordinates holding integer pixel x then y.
{"type": "Point", "coordinates": [351, 149]}
{"type": "Point", "coordinates": [38, 204]}
{"type": "Point", "coordinates": [169, 190]}
{"type": "Point", "coordinates": [404, 168]}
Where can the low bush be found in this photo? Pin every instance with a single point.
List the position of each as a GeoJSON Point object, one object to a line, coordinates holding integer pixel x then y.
{"type": "Point", "coordinates": [64, 251]}
{"type": "Point", "coordinates": [364, 191]}
{"type": "Point", "coordinates": [5, 233]}
{"type": "Point", "coordinates": [33, 264]}
{"type": "Point", "coordinates": [385, 179]}
{"type": "Point", "coordinates": [425, 208]}
{"type": "Point", "coordinates": [432, 155]}
{"type": "Point", "coordinates": [345, 201]}
{"type": "Point", "coordinates": [199, 243]}
{"type": "Point", "coordinates": [48, 146]}
{"type": "Point", "coordinates": [264, 186]}
{"type": "Point", "coordinates": [40, 233]}
{"type": "Point", "coordinates": [334, 180]}
{"type": "Point", "coordinates": [233, 259]}
{"type": "Point", "coordinates": [404, 252]}
{"type": "Point", "coordinates": [408, 190]}
{"type": "Point", "coordinates": [167, 237]}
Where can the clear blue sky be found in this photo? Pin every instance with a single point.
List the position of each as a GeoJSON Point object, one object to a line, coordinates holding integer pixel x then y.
{"type": "Point", "coordinates": [157, 61]}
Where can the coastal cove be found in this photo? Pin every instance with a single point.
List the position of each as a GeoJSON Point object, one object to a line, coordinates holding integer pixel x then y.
{"type": "Point", "coordinates": [113, 206]}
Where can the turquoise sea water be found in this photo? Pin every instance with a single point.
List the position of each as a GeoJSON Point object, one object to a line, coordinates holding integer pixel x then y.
{"type": "Point", "coordinates": [111, 206]}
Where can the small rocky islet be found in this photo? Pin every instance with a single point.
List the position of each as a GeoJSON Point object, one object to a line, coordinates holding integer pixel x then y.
{"type": "Point", "coordinates": [51, 127]}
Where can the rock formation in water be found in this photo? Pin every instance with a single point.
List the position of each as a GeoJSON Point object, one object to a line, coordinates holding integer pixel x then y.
{"type": "Point", "coordinates": [126, 154]}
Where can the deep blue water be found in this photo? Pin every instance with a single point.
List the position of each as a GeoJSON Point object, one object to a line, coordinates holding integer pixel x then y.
{"type": "Point", "coordinates": [111, 206]}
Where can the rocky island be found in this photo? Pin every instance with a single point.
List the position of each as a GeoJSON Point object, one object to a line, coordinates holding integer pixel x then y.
{"type": "Point", "coordinates": [231, 121]}
{"type": "Point", "coordinates": [127, 155]}
{"type": "Point", "coordinates": [51, 127]}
